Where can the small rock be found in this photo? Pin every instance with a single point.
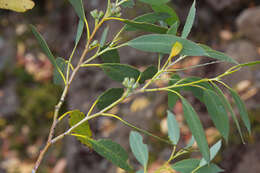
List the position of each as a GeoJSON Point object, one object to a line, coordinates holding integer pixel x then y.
{"type": "Point", "coordinates": [250, 161]}
{"type": "Point", "coordinates": [8, 99]}
{"type": "Point", "coordinates": [242, 51]}
{"type": "Point", "coordinates": [219, 5]}
{"type": "Point", "coordinates": [248, 23]}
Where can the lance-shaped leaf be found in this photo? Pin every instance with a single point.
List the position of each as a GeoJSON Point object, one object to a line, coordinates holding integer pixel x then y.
{"type": "Point", "coordinates": [119, 72]}
{"type": "Point", "coordinates": [242, 109]}
{"type": "Point", "coordinates": [186, 166]}
{"type": "Point", "coordinates": [211, 168]}
{"type": "Point", "coordinates": [217, 112]}
{"type": "Point", "coordinates": [57, 76]}
{"type": "Point", "coordinates": [173, 128]}
{"type": "Point", "coordinates": [146, 26]}
{"type": "Point", "coordinates": [148, 18]}
{"type": "Point", "coordinates": [111, 56]}
{"type": "Point", "coordinates": [213, 152]}
{"type": "Point", "coordinates": [196, 128]}
{"type": "Point", "coordinates": [82, 130]}
{"type": "Point", "coordinates": [109, 97]}
{"type": "Point", "coordinates": [217, 55]}
{"type": "Point", "coordinates": [163, 8]}
{"type": "Point", "coordinates": [162, 43]}
{"type": "Point", "coordinates": [79, 31]}
{"type": "Point", "coordinates": [189, 21]}
{"type": "Point", "coordinates": [174, 28]}
{"type": "Point", "coordinates": [139, 149]}
{"type": "Point", "coordinates": [112, 152]}
{"type": "Point", "coordinates": [229, 109]}
{"type": "Point", "coordinates": [148, 73]}
{"type": "Point", "coordinates": [44, 46]}
{"type": "Point", "coordinates": [155, 2]}
{"type": "Point", "coordinates": [78, 7]}
{"type": "Point", "coordinates": [172, 97]}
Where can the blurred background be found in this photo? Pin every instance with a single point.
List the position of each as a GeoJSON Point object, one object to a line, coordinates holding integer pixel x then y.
{"type": "Point", "coordinates": [27, 95]}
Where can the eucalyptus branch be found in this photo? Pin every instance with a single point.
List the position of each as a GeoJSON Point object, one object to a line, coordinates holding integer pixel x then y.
{"type": "Point", "coordinates": [132, 78]}
{"type": "Point", "coordinates": [87, 118]}
{"type": "Point", "coordinates": [64, 94]}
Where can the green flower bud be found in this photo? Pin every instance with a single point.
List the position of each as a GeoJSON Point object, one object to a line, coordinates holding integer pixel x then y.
{"type": "Point", "coordinates": [94, 43]}
{"type": "Point", "coordinates": [94, 14]}
{"type": "Point", "coordinates": [126, 82]}
{"type": "Point", "coordinates": [101, 14]}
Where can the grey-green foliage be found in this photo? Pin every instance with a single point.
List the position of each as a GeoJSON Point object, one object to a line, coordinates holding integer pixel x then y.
{"type": "Point", "coordinates": [173, 128]}
{"type": "Point", "coordinates": [139, 149]}
{"type": "Point", "coordinates": [111, 151]}
{"type": "Point", "coordinates": [163, 25]}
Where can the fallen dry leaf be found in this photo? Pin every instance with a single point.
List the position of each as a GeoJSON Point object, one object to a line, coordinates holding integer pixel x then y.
{"type": "Point", "coordinates": [243, 85]}
{"type": "Point", "coordinates": [226, 35]}
{"type": "Point", "coordinates": [17, 5]}
{"type": "Point", "coordinates": [139, 104]}
{"type": "Point", "coordinates": [60, 166]}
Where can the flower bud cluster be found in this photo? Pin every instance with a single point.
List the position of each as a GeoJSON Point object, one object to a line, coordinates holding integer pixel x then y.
{"type": "Point", "coordinates": [97, 15]}
{"type": "Point", "coordinates": [115, 10]}
{"type": "Point", "coordinates": [130, 83]}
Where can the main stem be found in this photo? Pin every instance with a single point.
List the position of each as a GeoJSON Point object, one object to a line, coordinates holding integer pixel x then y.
{"type": "Point", "coordinates": [63, 96]}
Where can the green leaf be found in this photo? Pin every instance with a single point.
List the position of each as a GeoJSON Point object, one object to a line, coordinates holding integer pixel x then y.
{"type": "Point", "coordinates": [44, 46]}
{"type": "Point", "coordinates": [112, 152]}
{"type": "Point", "coordinates": [162, 43]}
{"type": "Point", "coordinates": [189, 21]}
{"type": "Point", "coordinates": [229, 109]}
{"type": "Point", "coordinates": [109, 97]}
{"type": "Point", "coordinates": [146, 26]}
{"type": "Point", "coordinates": [78, 7]}
{"type": "Point", "coordinates": [173, 128]}
{"type": "Point", "coordinates": [155, 2]}
{"type": "Point", "coordinates": [163, 8]}
{"type": "Point", "coordinates": [174, 28]}
{"type": "Point", "coordinates": [83, 130]}
{"type": "Point", "coordinates": [217, 55]}
{"type": "Point", "coordinates": [242, 109]}
{"type": "Point", "coordinates": [139, 149]}
{"type": "Point", "coordinates": [104, 37]}
{"type": "Point", "coordinates": [172, 97]}
{"type": "Point", "coordinates": [196, 128]}
{"type": "Point", "coordinates": [217, 112]}
{"type": "Point", "coordinates": [111, 56]}
{"type": "Point", "coordinates": [128, 4]}
{"type": "Point", "coordinates": [213, 152]}
{"type": "Point", "coordinates": [148, 18]}
{"type": "Point", "coordinates": [62, 65]}
{"type": "Point", "coordinates": [148, 73]}
{"type": "Point", "coordinates": [119, 72]}
{"type": "Point", "coordinates": [79, 31]}
{"type": "Point", "coordinates": [186, 166]}
{"type": "Point", "coordinates": [211, 168]}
